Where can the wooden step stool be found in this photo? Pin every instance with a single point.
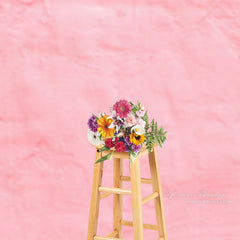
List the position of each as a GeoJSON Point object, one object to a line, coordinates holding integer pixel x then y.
{"type": "Point", "coordinates": [135, 191]}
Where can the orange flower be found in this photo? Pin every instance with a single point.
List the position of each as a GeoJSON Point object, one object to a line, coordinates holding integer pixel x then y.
{"type": "Point", "coordinates": [103, 127]}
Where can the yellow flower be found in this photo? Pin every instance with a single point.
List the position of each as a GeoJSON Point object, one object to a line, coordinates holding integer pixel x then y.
{"type": "Point", "coordinates": [137, 139]}
{"type": "Point", "coordinates": [103, 127]}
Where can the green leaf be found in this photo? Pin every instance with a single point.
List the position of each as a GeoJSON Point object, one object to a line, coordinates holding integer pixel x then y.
{"type": "Point", "coordinates": [149, 147]}
{"type": "Point", "coordinates": [133, 155]}
{"type": "Point", "coordinates": [145, 118]}
{"type": "Point", "coordinates": [152, 125]}
{"type": "Point", "coordinates": [106, 157]}
{"type": "Point", "coordinates": [104, 148]}
{"type": "Point", "coordinates": [134, 109]}
{"type": "Point", "coordinates": [131, 104]}
{"type": "Point", "coordinates": [138, 105]}
{"type": "Point", "coordinates": [158, 140]}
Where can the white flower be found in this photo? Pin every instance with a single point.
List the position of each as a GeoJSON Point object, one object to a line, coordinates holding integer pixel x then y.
{"type": "Point", "coordinates": [111, 125]}
{"type": "Point", "coordinates": [113, 113]}
{"type": "Point", "coordinates": [138, 129]}
{"type": "Point", "coordinates": [109, 117]}
{"type": "Point", "coordinates": [141, 122]}
{"type": "Point", "coordinates": [94, 138]}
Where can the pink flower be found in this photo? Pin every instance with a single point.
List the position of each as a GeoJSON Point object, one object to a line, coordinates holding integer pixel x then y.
{"type": "Point", "coordinates": [130, 120]}
{"type": "Point", "coordinates": [141, 122]}
{"type": "Point", "coordinates": [140, 113]}
{"type": "Point", "coordinates": [122, 108]}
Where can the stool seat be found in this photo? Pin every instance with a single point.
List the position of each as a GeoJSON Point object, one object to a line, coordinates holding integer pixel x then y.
{"type": "Point", "coordinates": [123, 155]}
{"type": "Point", "coordinates": [100, 192]}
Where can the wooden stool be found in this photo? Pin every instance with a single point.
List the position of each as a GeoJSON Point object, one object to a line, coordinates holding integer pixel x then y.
{"type": "Point", "coordinates": [135, 191]}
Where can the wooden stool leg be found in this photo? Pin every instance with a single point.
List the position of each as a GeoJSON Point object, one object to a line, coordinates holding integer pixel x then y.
{"type": "Point", "coordinates": [158, 202]}
{"type": "Point", "coordinates": [95, 198]}
{"type": "Point", "coordinates": [117, 198]}
{"type": "Point", "coordinates": [136, 199]}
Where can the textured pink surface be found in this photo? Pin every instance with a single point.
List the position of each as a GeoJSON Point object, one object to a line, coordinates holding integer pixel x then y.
{"type": "Point", "coordinates": [62, 60]}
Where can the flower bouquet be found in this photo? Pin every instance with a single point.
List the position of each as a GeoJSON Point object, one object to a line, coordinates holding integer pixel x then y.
{"type": "Point", "coordinates": [126, 129]}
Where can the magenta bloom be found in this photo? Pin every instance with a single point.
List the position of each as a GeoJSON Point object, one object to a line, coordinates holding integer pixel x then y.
{"type": "Point", "coordinates": [92, 124]}
{"type": "Point", "coordinates": [136, 148]}
{"type": "Point", "coordinates": [127, 140]}
{"type": "Point", "coordinates": [122, 108]}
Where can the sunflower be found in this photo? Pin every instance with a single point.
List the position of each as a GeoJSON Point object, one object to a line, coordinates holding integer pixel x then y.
{"type": "Point", "coordinates": [103, 127]}
{"type": "Point", "coordinates": [137, 139]}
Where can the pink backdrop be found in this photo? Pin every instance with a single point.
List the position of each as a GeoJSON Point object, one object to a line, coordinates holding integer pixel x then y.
{"type": "Point", "coordinates": [62, 60]}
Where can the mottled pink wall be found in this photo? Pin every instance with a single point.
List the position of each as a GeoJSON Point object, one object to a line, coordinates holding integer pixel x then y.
{"type": "Point", "coordinates": [62, 60]}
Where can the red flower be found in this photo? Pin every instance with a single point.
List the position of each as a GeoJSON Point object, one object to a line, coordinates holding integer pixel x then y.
{"type": "Point", "coordinates": [109, 143]}
{"type": "Point", "coordinates": [120, 147]}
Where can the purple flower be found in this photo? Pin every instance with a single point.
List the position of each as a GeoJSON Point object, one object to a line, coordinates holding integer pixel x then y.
{"type": "Point", "coordinates": [136, 148]}
{"type": "Point", "coordinates": [127, 140]}
{"type": "Point", "coordinates": [92, 124]}
{"type": "Point", "coordinates": [126, 148]}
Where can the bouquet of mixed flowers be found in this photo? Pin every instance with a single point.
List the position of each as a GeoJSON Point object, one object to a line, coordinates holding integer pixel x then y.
{"type": "Point", "coordinates": [126, 129]}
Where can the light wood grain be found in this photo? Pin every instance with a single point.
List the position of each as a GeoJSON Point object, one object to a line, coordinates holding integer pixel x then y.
{"type": "Point", "coordinates": [150, 197]}
{"type": "Point", "coordinates": [115, 190]}
{"type": "Point", "coordinates": [104, 195]}
{"type": "Point", "coordinates": [143, 180]}
{"type": "Point", "coordinates": [136, 199]}
{"type": "Point", "coordinates": [123, 155]}
{"type": "Point", "coordinates": [158, 202]}
{"type": "Point", "coordinates": [106, 238]}
{"type": "Point", "coordinates": [113, 234]}
{"type": "Point", "coordinates": [117, 198]}
{"type": "Point", "coordinates": [145, 225]}
{"type": "Point", "coordinates": [95, 198]}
